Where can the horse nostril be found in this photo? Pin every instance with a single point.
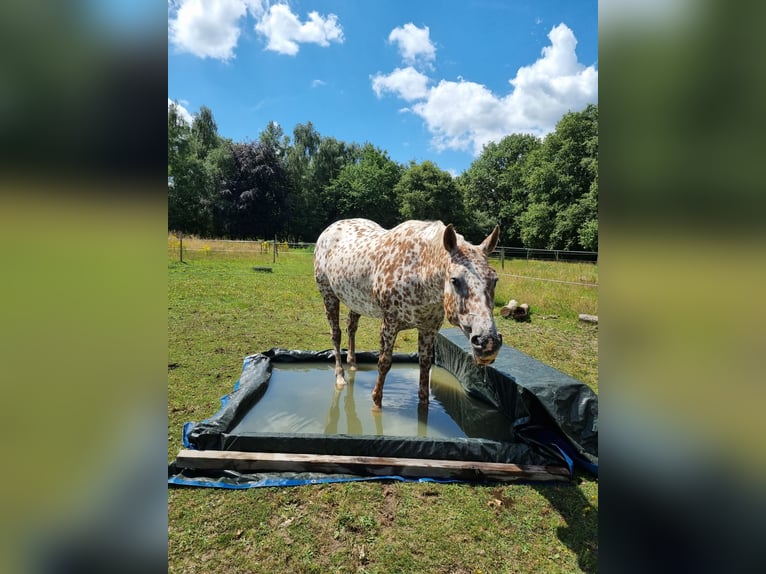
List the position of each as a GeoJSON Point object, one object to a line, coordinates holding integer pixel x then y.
{"type": "Point", "coordinates": [475, 341]}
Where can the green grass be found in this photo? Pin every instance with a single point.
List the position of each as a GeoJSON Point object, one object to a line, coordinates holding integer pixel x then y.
{"type": "Point", "coordinates": [220, 310]}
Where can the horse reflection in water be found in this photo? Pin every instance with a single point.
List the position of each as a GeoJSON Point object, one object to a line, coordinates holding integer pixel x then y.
{"type": "Point", "coordinates": [454, 413]}
{"type": "Point", "coordinates": [353, 422]}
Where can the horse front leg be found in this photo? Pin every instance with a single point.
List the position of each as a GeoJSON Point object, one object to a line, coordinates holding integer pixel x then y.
{"type": "Point", "coordinates": [388, 332]}
{"type": "Point", "coordinates": [353, 323]}
{"type": "Point", "coordinates": [426, 338]}
{"type": "Point", "coordinates": [332, 309]}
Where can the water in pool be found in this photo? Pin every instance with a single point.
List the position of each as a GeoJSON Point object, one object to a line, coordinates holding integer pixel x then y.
{"type": "Point", "coordinates": [302, 398]}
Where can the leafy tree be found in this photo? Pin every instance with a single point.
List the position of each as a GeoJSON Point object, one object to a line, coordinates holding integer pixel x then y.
{"type": "Point", "coordinates": [204, 132]}
{"type": "Point", "coordinates": [304, 198]}
{"type": "Point", "coordinates": [178, 137]}
{"type": "Point", "coordinates": [188, 180]}
{"type": "Point", "coordinates": [274, 136]}
{"type": "Point", "coordinates": [312, 162]}
{"type": "Point", "coordinates": [365, 188]}
{"type": "Point", "coordinates": [536, 225]}
{"type": "Point", "coordinates": [220, 166]}
{"type": "Point", "coordinates": [426, 192]}
{"type": "Point", "coordinates": [588, 234]}
{"type": "Point", "coordinates": [559, 175]}
{"type": "Point", "coordinates": [330, 159]}
{"type": "Point", "coordinates": [254, 190]}
{"type": "Point", "coordinates": [543, 193]}
{"type": "Point", "coordinates": [493, 186]}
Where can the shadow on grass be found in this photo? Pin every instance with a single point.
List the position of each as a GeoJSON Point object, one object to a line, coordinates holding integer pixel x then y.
{"type": "Point", "coordinates": [581, 531]}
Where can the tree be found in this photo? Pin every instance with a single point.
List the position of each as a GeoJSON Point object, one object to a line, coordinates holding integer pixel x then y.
{"type": "Point", "coordinates": [312, 162]}
{"type": "Point", "coordinates": [493, 187]}
{"type": "Point", "coordinates": [204, 132]}
{"type": "Point", "coordinates": [188, 180]}
{"type": "Point", "coordinates": [273, 135]}
{"type": "Point", "coordinates": [178, 137]}
{"type": "Point", "coordinates": [220, 167]}
{"type": "Point", "coordinates": [542, 193]}
{"type": "Point", "coordinates": [562, 175]}
{"type": "Point", "coordinates": [426, 192]}
{"type": "Point", "coordinates": [330, 159]}
{"type": "Point", "coordinates": [304, 198]}
{"type": "Point", "coordinates": [536, 225]}
{"type": "Point", "coordinates": [365, 188]}
{"type": "Point", "coordinates": [254, 191]}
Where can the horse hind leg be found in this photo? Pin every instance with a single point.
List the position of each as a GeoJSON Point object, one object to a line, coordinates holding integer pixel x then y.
{"type": "Point", "coordinates": [332, 309]}
{"type": "Point", "coordinates": [353, 323]}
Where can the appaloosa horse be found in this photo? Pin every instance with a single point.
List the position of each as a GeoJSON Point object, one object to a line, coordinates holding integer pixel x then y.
{"type": "Point", "coordinates": [408, 276]}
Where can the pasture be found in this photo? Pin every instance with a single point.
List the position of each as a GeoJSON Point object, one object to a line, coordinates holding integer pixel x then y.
{"type": "Point", "coordinates": [220, 310]}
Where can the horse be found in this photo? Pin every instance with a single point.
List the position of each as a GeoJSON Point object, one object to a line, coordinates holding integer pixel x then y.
{"type": "Point", "coordinates": [410, 276]}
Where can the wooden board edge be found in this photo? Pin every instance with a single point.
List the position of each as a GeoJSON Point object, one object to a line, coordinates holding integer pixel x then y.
{"type": "Point", "coordinates": [367, 465]}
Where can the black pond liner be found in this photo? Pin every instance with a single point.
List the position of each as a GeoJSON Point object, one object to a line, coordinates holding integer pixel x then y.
{"type": "Point", "coordinates": [554, 419]}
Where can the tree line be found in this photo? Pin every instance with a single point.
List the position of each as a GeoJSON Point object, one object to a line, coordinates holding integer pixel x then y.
{"type": "Point", "coordinates": [543, 192]}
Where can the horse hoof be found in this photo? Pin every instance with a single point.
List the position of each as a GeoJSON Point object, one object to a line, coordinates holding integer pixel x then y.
{"type": "Point", "coordinates": [376, 409]}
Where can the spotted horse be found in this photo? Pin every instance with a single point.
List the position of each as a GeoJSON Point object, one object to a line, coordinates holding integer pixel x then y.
{"type": "Point", "coordinates": [410, 277]}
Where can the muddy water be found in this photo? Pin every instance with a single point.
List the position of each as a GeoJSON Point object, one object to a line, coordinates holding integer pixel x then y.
{"type": "Point", "coordinates": [302, 398]}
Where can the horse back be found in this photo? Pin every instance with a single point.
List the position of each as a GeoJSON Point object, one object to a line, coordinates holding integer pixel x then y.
{"type": "Point", "coordinates": [374, 271]}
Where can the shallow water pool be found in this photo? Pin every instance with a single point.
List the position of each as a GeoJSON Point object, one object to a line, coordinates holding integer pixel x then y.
{"type": "Point", "coordinates": [302, 399]}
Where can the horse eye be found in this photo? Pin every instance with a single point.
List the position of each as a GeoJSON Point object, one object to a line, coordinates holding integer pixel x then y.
{"type": "Point", "coordinates": [455, 282]}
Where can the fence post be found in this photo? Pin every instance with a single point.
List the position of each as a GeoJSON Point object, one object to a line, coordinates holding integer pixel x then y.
{"type": "Point", "coordinates": [274, 256]}
{"type": "Point", "coordinates": [502, 258]}
{"type": "Point", "coordinates": [181, 247]}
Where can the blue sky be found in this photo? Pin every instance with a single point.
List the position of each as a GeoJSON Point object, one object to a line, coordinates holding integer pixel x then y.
{"type": "Point", "coordinates": [422, 79]}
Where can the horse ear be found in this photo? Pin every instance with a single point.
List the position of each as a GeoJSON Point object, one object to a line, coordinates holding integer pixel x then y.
{"type": "Point", "coordinates": [489, 244]}
{"type": "Point", "coordinates": [450, 239]}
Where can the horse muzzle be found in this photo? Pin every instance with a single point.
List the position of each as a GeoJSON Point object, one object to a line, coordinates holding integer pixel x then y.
{"type": "Point", "coordinates": [486, 347]}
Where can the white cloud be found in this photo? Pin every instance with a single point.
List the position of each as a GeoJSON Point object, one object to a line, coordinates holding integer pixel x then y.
{"type": "Point", "coordinates": [407, 83]}
{"type": "Point", "coordinates": [465, 115]}
{"type": "Point", "coordinates": [554, 84]}
{"type": "Point", "coordinates": [414, 43]}
{"type": "Point", "coordinates": [182, 111]}
{"type": "Point", "coordinates": [212, 28]}
{"type": "Point", "coordinates": [461, 114]}
{"type": "Point", "coordinates": [209, 28]}
{"type": "Point", "coordinates": [284, 31]}
{"type": "Point", "coordinates": [317, 83]}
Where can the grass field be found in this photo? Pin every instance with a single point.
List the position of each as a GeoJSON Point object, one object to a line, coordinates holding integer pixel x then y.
{"type": "Point", "coordinates": [220, 310]}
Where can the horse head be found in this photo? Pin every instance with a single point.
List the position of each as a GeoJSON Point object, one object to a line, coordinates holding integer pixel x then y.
{"type": "Point", "coordinates": [469, 293]}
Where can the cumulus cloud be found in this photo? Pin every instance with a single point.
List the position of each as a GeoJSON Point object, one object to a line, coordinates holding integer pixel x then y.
{"type": "Point", "coordinates": [212, 28]}
{"type": "Point", "coordinates": [284, 31]}
{"type": "Point", "coordinates": [462, 115]}
{"type": "Point", "coordinates": [209, 28]}
{"type": "Point", "coordinates": [414, 43]}
{"type": "Point", "coordinates": [406, 83]}
{"type": "Point", "coordinates": [182, 111]}
{"type": "Point", "coordinates": [465, 115]}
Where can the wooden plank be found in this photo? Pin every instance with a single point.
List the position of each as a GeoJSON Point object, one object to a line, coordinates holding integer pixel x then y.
{"type": "Point", "coordinates": [588, 318]}
{"type": "Point", "coordinates": [367, 465]}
